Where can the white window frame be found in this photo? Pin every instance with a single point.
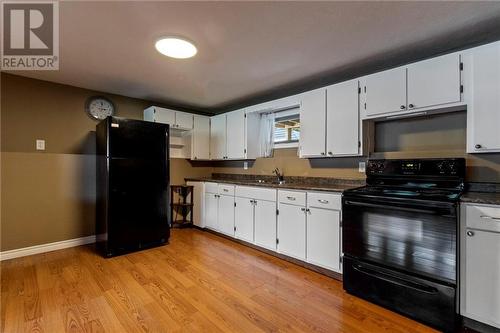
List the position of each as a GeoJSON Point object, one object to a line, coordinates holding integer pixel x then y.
{"type": "Point", "coordinates": [285, 113]}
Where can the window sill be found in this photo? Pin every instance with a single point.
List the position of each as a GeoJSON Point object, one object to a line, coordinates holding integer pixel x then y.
{"type": "Point", "coordinates": [286, 145]}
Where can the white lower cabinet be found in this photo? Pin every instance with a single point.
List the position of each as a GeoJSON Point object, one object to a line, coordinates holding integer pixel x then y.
{"type": "Point", "coordinates": [298, 224]}
{"type": "Point", "coordinates": [198, 203]}
{"type": "Point", "coordinates": [211, 208]}
{"type": "Point", "coordinates": [480, 264]}
{"type": "Point", "coordinates": [255, 216]}
{"type": "Point", "coordinates": [323, 238]}
{"type": "Point", "coordinates": [226, 214]}
{"type": "Point", "coordinates": [265, 224]}
{"type": "Point", "coordinates": [292, 230]}
{"type": "Point", "coordinates": [244, 219]}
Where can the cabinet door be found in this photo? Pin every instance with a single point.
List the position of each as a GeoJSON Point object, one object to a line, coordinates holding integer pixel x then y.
{"type": "Point", "coordinates": [183, 120]}
{"type": "Point", "coordinates": [313, 123]}
{"type": "Point", "coordinates": [211, 206]}
{"type": "Point", "coordinates": [342, 116]}
{"type": "Point", "coordinates": [434, 82]}
{"type": "Point", "coordinates": [226, 215]}
{"type": "Point", "coordinates": [482, 92]}
{"type": "Point", "coordinates": [385, 92]}
{"type": "Point", "coordinates": [323, 238]}
{"type": "Point", "coordinates": [218, 137]}
{"type": "Point", "coordinates": [236, 134]}
{"type": "Point", "coordinates": [292, 231]}
{"type": "Point", "coordinates": [265, 224]}
{"type": "Point", "coordinates": [164, 116]}
{"type": "Point", "coordinates": [482, 276]}
{"type": "Point", "coordinates": [243, 219]}
{"type": "Point", "coordinates": [200, 144]}
{"type": "Point", "coordinates": [198, 196]}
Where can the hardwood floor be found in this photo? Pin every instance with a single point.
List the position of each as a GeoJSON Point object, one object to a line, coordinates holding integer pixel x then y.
{"type": "Point", "coordinates": [200, 282]}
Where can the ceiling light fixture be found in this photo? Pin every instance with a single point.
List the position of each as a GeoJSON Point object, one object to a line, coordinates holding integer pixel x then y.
{"type": "Point", "coordinates": [175, 47]}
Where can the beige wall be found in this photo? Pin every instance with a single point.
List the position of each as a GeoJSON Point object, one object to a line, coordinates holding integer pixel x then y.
{"type": "Point", "coordinates": [50, 196]}
{"type": "Point", "coordinates": [288, 161]}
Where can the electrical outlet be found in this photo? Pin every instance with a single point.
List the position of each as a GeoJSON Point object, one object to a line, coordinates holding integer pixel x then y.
{"type": "Point", "coordinates": [362, 167]}
{"type": "Point", "coordinates": [245, 165]}
{"type": "Point", "coordinates": [40, 144]}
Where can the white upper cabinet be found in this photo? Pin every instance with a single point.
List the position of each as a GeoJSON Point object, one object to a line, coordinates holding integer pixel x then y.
{"type": "Point", "coordinates": [183, 120]}
{"type": "Point", "coordinates": [235, 135]}
{"type": "Point", "coordinates": [482, 94]}
{"type": "Point", "coordinates": [313, 124]}
{"type": "Point", "coordinates": [434, 82]}
{"type": "Point", "coordinates": [342, 119]}
{"type": "Point", "coordinates": [176, 119]}
{"type": "Point", "coordinates": [160, 115]}
{"type": "Point", "coordinates": [218, 137]}
{"type": "Point", "coordinates": [385, 92]}
{"type": "Point", "coordinates": [235, 123]}
{"type": "Point", "coordinates": [200, 144]}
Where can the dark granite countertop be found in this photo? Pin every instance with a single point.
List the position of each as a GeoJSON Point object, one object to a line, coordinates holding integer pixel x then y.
{"type": "Point", "coordinates": [482, 193]}
{"type": "Point", "coordinates": [291, 183]}
{"type": "Point", "coordinates": [486, 198]}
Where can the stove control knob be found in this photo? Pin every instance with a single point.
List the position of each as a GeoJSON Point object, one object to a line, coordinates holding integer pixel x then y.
{"type": "Point", "coordinates": [452, 167]}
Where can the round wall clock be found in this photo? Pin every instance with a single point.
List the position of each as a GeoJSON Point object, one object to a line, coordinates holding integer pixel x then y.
{"type": "Point", "coordinates": [99, 107]}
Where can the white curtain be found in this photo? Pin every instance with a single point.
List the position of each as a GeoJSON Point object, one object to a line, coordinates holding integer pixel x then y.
{"type": "Point", "coordinates": [266, 136]}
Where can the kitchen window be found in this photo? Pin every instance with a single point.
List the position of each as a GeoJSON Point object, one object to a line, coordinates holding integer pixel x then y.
{"type": "Point", "coordinates": [287, 128]}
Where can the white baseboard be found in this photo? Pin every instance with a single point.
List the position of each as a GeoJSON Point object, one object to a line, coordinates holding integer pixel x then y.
{"type": "Point", "coordinates": [27, 251]}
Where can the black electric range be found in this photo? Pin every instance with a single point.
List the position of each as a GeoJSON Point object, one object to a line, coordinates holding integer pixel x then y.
{"type": "Point", "coordinates": [400, 238]}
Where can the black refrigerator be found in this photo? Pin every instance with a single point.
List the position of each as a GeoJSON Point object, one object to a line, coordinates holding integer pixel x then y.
{"type": "Point", "coordinates": [132, 185]}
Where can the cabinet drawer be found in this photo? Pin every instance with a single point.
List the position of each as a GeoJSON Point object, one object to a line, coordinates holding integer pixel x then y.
{"type": "Point", "coordinates": [255, 193]}
{"type": "Point", "coordinates": [292, 197]}
{"type": "Point", "coordinates": [211, 188]}
{"type": "Point", "coordinates": [226, 189]}
{"type": "Point", "coordinates": [324, 200]}
{"type": "Point", "coordinates": [483, 217]}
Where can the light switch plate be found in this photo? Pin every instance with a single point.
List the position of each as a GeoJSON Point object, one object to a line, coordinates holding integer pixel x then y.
{"type": "Point", "coordinates": [40, 144]}
{"type": "Point", "coordinates": [362, 167]}
{"type": "Point", "coordinates": [245, 165]}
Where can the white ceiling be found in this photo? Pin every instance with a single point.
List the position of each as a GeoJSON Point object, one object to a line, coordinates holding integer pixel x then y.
{"type": "Point", "coordinates": [247, 49]}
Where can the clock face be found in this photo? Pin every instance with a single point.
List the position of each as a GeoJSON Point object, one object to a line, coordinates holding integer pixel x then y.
{"type": "Point", "coordinates": [100, 108]}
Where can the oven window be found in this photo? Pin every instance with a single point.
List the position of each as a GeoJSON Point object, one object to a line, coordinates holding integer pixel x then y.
{"type": "Point", "coordinates": [423, 243]}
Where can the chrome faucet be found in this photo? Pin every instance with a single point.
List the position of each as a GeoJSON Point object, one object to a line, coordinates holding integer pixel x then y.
{"type": "Point", "coordinates": [280, 176]}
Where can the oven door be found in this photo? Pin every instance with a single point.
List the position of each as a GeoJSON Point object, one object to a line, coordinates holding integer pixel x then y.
{"type": "Point", "coordinates": [413, 236]}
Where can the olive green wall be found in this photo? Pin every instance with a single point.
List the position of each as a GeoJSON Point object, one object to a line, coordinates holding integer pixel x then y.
{"type": "Point", "coordinates": [49, 196]}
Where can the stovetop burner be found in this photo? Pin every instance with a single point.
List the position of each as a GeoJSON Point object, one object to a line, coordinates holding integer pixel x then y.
{"type": "Point", "coordinates": [423, 179]}
{"type": "Point", "coordinates": [409, 192]}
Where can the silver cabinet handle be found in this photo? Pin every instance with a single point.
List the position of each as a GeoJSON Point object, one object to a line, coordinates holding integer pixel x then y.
{"type": "Point", "coordinates": [470, 233]}
{"type": "Point", "coordinates": [291, 198]}
{"type": "Point", "coordinates": [225, 190]}
{"type": "Point", "coordinates": [323, 201]}
{"type": "Point", "coordinates": [490, 217]}
{"type": "Point", "coordinates": [303, 209]}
